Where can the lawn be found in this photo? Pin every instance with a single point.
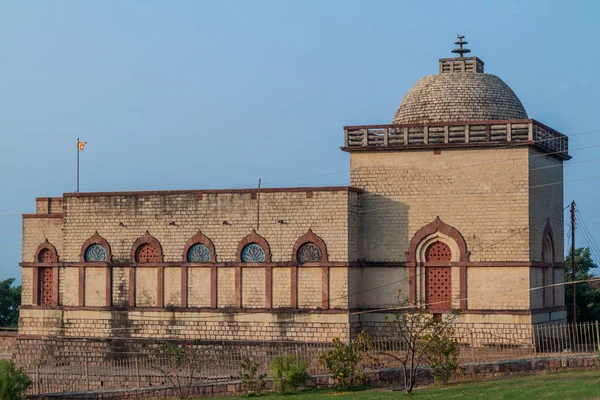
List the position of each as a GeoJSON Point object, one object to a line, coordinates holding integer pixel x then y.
{"type": "Point", "coordinates": [560, 385]}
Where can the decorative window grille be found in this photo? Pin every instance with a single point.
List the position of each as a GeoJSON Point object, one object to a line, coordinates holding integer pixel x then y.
{"type": "Point", "coordinates": [46, 286]}
{"type": "Point", "coordinates": [253, 253]}
{"type": "Point", "coordinates": [309, 252]}
{"type": "Point", "coordinates": [438, 252]}
{"type": "Point", "coordinates": [95, 253]}
{"type": "Point", "coordinates": [46, 256]}
{"type": "Point", "coordinates": [198, 253]}
{"type": "Point", "coordinates": [438, 290]}
{"type": "Point", "coordinates": [147, 253]}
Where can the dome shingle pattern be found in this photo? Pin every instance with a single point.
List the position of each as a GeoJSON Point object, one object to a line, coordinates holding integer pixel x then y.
{"type": "Point", "coordinates": [454, 97]}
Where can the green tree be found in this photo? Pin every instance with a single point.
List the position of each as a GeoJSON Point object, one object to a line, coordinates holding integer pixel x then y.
{"type": "Point", "coordinates": [588, 296]}
{"type": "Point", "coordinates": [10, 298]}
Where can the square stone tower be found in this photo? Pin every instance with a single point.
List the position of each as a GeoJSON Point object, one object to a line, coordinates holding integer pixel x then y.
{"type": "Point", "coordinates": [462, 202]}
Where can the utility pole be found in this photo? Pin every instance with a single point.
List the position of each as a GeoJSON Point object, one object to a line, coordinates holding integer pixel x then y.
{"type": "Point", "coordinates": [573, 276]}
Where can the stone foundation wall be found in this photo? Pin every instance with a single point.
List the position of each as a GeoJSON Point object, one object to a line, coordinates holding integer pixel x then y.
{"type": "Point", "coordinates": [138, 323]}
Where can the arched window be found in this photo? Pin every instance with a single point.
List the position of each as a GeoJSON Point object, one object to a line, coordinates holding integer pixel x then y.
{"type": "Point", "coordinates": [438, 252]}
{"type": "Point", "coordinates": [254, 249]}
{"type": "Point", "coordinates": [95, 249]}
{"type": "Point", "coordinates": [309, 252]}
{"type": "Point", "coordinates": [45, 254]}
{"type": "Point", "coordinates": [253, 253]}
{"type": "Point", "coordinates": [198, 253]}
{"type": "Point", "coordinates": [309, 248]}
{"type": "Point", "coordinates": [147, 250]}
{"type": "Point", "coordinates": [199, 249]}
{"type": "Point", "coordinates": [95, 253]}
{"type": "Point", "coordinates": [548, 250]}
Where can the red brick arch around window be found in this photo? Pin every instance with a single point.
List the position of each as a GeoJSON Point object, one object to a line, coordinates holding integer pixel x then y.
{"type": "Point", "coordinates": [310, 237]}
{"type": "Point", "coordinates": [147, 238]}
{"type": "Point", "coordinates": [46, 253]}
{"type": "Point", "coordinates": [437, 225]}
{"type": "Point", "coordinates": [95, 239]}
{"type": "Point", "coordinates": [199, 238]}
{"type": "Point", "coordinates": [548, 234]}
{"type": "Point", "coordinates": [254, 237]}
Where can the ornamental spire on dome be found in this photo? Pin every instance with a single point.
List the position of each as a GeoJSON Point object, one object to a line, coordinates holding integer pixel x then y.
{"type": "Point", "coordinates": [461, 63]}
{"type": "Point", "coordinates": [460, 51]}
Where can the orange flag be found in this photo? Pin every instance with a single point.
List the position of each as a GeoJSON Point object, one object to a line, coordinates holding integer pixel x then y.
{"type": "Point", "coordinates": [81, 145]}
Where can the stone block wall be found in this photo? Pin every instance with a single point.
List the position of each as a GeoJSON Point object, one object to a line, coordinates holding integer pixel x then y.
{"type": "Point", "coordinates": [483, 193]}
{"type": "Point", "coordinates": [224, 217]}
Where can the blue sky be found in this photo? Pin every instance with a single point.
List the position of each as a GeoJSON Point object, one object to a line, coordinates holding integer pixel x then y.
{"type": "Point", "coordinates": [199, 94]}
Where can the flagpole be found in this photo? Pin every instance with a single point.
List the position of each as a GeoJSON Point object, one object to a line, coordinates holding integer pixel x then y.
{"type": "Point", "coordinates": [77, 165]}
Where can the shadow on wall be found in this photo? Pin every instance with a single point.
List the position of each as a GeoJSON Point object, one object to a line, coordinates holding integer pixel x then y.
{"type": "Point", "coordinates": [384, 229]}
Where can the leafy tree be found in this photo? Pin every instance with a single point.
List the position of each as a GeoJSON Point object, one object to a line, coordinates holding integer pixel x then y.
{"type": "Point", "coordinates": [588, 297]}
{"type": "Point", "coordinates": [422, 335]}
{"type": "Point", "coordinates": [10, 298]}
{"type": "Point", "coordinates": [13, 381]}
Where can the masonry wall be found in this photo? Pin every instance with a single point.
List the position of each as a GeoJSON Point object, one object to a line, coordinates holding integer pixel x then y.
{"type": "Point", "coordinates": [140, 324]}
{"type": "Point", "coordinates": [174, 218]}
{"type": "Point", "coordinates": [196, 291]}
{"type": "Point", "coordinates": [482, 193]}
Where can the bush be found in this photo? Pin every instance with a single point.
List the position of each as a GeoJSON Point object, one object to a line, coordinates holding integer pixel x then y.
{"type": "Point", "coordinates": [288, 373]}
{"type": "Point", "coordinates": [13, 381]}
{"type": "Point", "coordinates": [345, 361]}
{"type": "Point", "coordinates": [252, 383]}
{"type": "Point", "coordinates": [442, 355]}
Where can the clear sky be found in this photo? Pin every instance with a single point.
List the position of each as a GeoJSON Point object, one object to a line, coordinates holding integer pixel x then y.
{"type": "Point", "coordinates": [217, 94]}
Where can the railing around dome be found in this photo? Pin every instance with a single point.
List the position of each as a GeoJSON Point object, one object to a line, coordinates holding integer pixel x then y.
{"type": "Point", "coordinates": [525, 131]}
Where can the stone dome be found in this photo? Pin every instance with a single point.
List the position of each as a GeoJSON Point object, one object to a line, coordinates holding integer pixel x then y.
{"type": "Point", "coordinates": [459, 96]}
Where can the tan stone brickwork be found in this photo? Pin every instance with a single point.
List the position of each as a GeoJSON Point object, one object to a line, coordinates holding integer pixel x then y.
{"type": "Point", "coordinates": [378, 287]}
{"type": "Point", "coordinates": [326, 213]}
{"type": "Point", "coordinates": [69, 286]}
{"type": "Point", "coordinates": [482, 193]}
{"type": "Point", "coordinates": [146, 287]}
{"type": "Point", "coordinates": [207, 326]}
{"type": "Point", "coordinates": [27, 286]}
{"type": "Point", "coordinates": [498, 288]}
{"type": "Point", "coordinates": [120, 286]}
{"type": "Point", "coordinates": [199, 287]}
{"type": "Point", "coordinates": [172, 287]}
{"type": "Point", "coordinates": [38, 230]}
{"type": "Point", "coordinates": [338, 287]}
{"type": "Point", "coordinates": [95, 286]}
{"type": "Point", "coordinates": [253, 287]}
{"type": "Point", "coordinates": [226, 287]}
{"type": "Point", "coordinates": [282, 287]}
{"type": "Point", "coordinates": [459, 97]}
{"type": "Point", "coordinates": [309, 287]}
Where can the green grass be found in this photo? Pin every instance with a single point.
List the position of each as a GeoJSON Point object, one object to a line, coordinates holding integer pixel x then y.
{"type": "Point", "coordinates": [560, 386]}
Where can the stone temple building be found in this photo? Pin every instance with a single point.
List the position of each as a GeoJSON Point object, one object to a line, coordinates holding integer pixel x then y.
{"type": "Point", "coordinates": [458, 202]}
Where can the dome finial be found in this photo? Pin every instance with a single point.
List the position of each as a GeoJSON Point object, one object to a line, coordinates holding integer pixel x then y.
{"type": "Point", "coordinates": [461, 42]}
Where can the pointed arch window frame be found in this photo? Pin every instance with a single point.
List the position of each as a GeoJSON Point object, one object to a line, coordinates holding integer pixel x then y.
{"type": "Point", "coordinates": [310, 237]}
{"type": "Point", "coordinates": [146, 238]}
{"type": "Point", "coordinates": [412, 261]}
{"type": "Point", "coordinates": [255, 238]}
{"type": "Point", "coordinates": [92, 240]}
{"type": "Point", "coordinates": [199, 238]}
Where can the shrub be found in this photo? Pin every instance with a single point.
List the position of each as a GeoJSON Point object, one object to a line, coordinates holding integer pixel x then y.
{"type": "Point", "coordinates": [345, 361]}
{"type": "Point", "coordinates": [13, 381]}
{"type": "Point", "coordinates": [252, 383]}
{"type": "Point", "coordinates": [442, 355]}
{"type": "Point", "coordinates": [288, 373]}
{"type": "Point", "coordinates": [180, 364]}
